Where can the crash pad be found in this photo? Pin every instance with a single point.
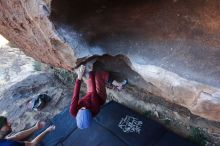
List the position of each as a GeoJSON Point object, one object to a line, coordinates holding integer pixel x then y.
{"type": "Point", "coordinates": [115, 125]}
{"type": "Point", "coordinates": [133, 128]}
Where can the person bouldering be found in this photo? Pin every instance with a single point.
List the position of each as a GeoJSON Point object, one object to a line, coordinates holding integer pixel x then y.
{"type": "Point", "coordinates": [89, 106]}
{"type": "Point", "coordinates": [19, 139]}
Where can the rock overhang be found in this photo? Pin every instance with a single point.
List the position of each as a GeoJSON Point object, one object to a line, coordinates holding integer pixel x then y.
{"type": "Point", "coordinates": [175, 35]}
{"type": "Point", "coordinates": [172, 44]}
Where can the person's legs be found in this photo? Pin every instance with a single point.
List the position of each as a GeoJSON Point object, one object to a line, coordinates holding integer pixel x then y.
{"type": "Point", "coordinates": [89, 83]}
{"type": "Point", "coordinates": [26, 133]}
{"type": "Point", "coordinates": [100, 79]}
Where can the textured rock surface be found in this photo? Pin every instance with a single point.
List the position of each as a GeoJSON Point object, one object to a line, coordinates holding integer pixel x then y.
{"type": "Point", "coordinates": [199, 98]}
{"type": "Point", "coordinates": [172, 46]}
{"type": "Point", "coordinates": [16, 98]}
{"type": "Point", "coordinates": [26, 24]}
{"type": "Point", "coordinates": [20, 83]}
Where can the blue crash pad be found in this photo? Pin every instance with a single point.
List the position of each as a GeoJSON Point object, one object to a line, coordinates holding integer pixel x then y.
{"type": "Point", "coordinates": [118, 119]}
{"type": "Point", "coordinates": [115, 125]}
{"type": "Point", "coordinates": [65, 125]}
{"type": "Point", "coordinates": [94, 136]}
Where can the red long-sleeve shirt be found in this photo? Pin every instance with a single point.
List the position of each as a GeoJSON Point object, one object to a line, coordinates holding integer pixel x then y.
{"type": "Point", "coordinates": [90, 101]}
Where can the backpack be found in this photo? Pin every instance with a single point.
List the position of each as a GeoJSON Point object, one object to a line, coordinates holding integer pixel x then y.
{"type": "Point", "coordinates": [41, 101]}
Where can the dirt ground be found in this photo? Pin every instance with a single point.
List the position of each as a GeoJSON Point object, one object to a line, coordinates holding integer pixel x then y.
{"type": "Point", "coordinates": [20, 84]}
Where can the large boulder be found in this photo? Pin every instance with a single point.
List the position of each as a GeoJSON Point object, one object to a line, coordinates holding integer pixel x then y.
{"type": "Point", "coordinates": [171, 46]}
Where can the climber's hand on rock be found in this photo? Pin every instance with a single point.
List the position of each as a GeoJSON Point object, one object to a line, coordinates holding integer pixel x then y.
{"type": "Point", "coordinates": [81, 71]}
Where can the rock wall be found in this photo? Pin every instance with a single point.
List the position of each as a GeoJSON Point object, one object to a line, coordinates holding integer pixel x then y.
{"type": "Point", "coordinates": [170, 47]}
{"type": "Point", "coordinates": [26, 24]}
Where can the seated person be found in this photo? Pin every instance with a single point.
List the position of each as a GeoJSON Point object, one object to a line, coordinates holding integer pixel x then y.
{"type": "Point", "coordinates": [18, 139]}
{"type": "Point", "coordinates": [89, 106]}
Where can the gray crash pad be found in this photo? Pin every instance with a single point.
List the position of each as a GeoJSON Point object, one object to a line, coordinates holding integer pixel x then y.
{"type": "Point", "coordinates": [115, 125]}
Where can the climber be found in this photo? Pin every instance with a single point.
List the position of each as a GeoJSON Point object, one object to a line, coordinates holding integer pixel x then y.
{"type": "Point", "coordinates": [19, 138]}
{"type": "Point", "coordinates": [89, 105]}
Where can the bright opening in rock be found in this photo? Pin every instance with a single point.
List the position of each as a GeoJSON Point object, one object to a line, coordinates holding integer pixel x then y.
{"type": "Point", "coordinates": [3, 41]}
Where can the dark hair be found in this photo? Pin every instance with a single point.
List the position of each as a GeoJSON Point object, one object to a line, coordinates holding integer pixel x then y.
{"type": "Point", "coordinates": [3, 121]}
